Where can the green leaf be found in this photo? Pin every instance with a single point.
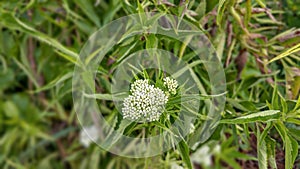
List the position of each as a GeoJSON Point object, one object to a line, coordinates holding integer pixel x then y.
{"type": "Point", "coordinates": [260, 2]}
{"type": "Point", "coordinates": [242, 105]}
{"type": "Point", "coordinates": [294, 151]}
{"type": "Point", "coordinates": [56, 81]}
{"type": "Point", "coordinates": [295, 133]}
{"type": "Point", "coordinates": [264, 116]}
{"type": "Point", "coordinates": [7, 78]}
{"type": "Point", "coordinates": [114, 136]}
{"type": "Point", "coordinates": [11, 109]}
{"type": "Point", "coordinates": [184, 152]}
{"type": "Point", "coordinates": [27, 72]}
{"type": "Point", "coordinates": [286, 53]}
{"type": "Point", "coordinates": [271, 146]}
{"type": "Point", "coordinates": [88, 9]}
{"type": "Point", "coordinates": [261, 151]}
{"type": "Point", "coordinates": [275, 98]}
{"type": "Point", "coordinates": [201, 9]}
{"type": "Point", "coordinates": [297, 104]}
{"type": "Point", "coordinates": [281, 130]}
{"type": "Point", "coordinates": [290, 145]}
{"type": "Point", "coordinates": [210, 5]}
{"type": "Point", "coordinates": [14, 164]}
{"type": "Point", "coordinates": [293, 120]}
{"type": "Point", "coordinates": [221, 9]}
{"type": "Point", "coordinates": [220, 43]}
{"type": "Point", "coordinates": [291, 151]}
{"type": "Point", "coordinates": [228, 156]}
{"type": "Point", "coordinates": [95, 159]}
{"type": "Point", "coordinates": [265, 131]}
{"type": "Point", "coordinates": [151, 41]}
{"type": "Point", "coordinates": [104, 96]}
{"type": "Point", "coordinates": [12, 22]}
{"type": "Point", "coordinates": [248, 13]}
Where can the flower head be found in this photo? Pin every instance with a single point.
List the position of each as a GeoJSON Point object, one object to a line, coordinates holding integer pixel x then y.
{"type": "Point", "coordinates": [146, 102]}
{"type": "Point", "coordinates": [171, 85]}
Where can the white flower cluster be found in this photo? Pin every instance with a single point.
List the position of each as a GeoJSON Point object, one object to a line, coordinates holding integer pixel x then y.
{"type": "Point", "coordinates": [146, 102]}
{"type": "Point", "coordinates": [171, 85]}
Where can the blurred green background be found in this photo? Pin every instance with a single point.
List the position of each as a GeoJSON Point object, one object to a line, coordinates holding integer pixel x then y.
{"type": "Point", "coordinates": [258, 41]}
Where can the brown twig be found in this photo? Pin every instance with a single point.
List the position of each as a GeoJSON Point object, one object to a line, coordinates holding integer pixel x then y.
{"type": "Point", "coordinates": [32, 62]}
{"type": "Point", "coordinates": [265, 10]}
{"type": "Point", "coordinates": [230, 34]}
{"type": "Point", "coordinates": [31, 59]}
{"type": "Point", "coordinates": [61, 148]}
{"type": "Point", "coordinates": [165, 2]}
{"type": "Point", "coordinates": [294, 34]}
{"type": "Point", "coordinates": [241, 61]}
{"type": "Point", "coordinates": [229, 42]}
{"type": "Point", "coordinates": [263, 70]}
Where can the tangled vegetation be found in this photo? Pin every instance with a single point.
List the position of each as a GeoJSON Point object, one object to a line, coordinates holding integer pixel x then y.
{"type": "Point", "coordinates": [257, 42]}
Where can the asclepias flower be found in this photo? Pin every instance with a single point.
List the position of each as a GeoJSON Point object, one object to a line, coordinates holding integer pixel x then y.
{"type": "Point", "coordinates": [147, 102]}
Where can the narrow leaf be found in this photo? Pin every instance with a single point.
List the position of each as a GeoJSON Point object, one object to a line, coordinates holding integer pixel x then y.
{"type": "Point", "coordinates": [263, 116]}
{"type": "Point", "coordinates": [184, 152]}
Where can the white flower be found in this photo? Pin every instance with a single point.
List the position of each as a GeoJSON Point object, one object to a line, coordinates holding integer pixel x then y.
{"type": "Point", "coordinates": [170, 84]}
{"type": "Point", "coordinates": [192, 128]}
{"type": "Point", "coordinates": [146, 102]}
{"type": "Point", "coordinates": [87, 135]}
{"type": "Point", "coordinates": [174, 165]}
{"type": "Point", "coordinates": [202, 156]}
{"type": "Point", "coordinates": [217, 149]}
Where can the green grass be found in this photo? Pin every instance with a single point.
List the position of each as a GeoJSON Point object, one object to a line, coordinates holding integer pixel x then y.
{"type": "Point", "coordinates": [257, 42]}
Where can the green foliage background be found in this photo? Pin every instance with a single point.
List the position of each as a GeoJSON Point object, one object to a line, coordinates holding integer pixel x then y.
{"type": "Point", "coordinates": [258, 41]}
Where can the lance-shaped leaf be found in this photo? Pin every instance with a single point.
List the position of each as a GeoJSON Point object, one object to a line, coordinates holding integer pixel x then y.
{"type": "Point", "coordinates": [263, 116]}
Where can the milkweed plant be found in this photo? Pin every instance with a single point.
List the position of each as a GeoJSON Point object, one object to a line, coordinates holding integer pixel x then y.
{"type": "Point", "coordinates": [147, 102]}
{"type": "Point", "coordinates": [257, 43]}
